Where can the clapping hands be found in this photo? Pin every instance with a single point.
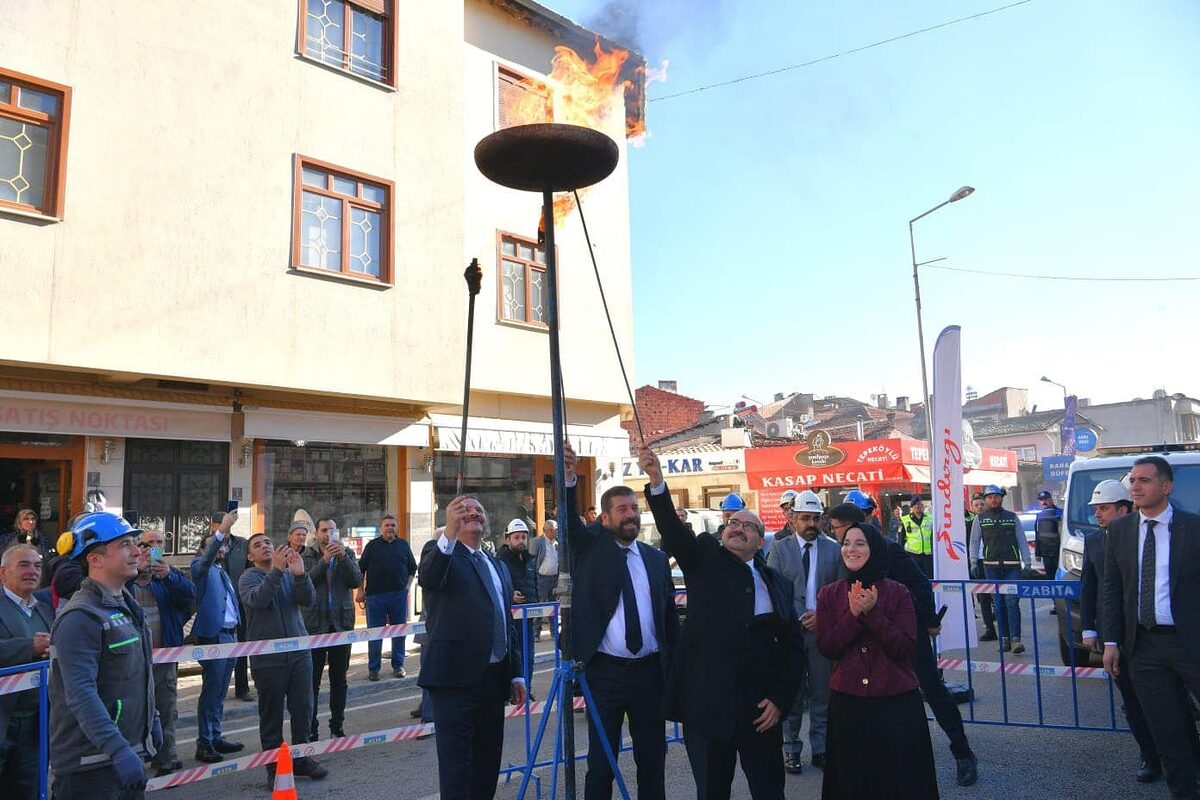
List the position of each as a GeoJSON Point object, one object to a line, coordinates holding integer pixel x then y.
{"type": "Point", "coordinates": [862, 600]}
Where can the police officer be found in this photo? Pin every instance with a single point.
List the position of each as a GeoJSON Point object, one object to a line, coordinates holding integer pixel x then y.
{"type": "Point", "coordinates": [1047, 536]}
{"type": "Point", "coordinates": [1000, 553]}
{"type": "Point", "coordinates": [917, 532]}
{"type": "Point", "coordinates": [102, 718]}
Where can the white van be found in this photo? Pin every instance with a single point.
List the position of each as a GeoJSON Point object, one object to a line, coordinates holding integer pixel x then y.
{"type": "Point", "coordinates": [1079, 521]}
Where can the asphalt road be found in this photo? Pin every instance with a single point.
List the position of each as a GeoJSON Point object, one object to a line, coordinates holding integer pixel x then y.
{"type": "Point", "coordinates": [1014, 761]}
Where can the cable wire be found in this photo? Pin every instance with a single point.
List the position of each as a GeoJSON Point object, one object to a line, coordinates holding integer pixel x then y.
{"type": "Point", "coordinates": [822, 59]}
{"type": "Point", "coordinates": [616, 346]}
{"type": "Point", "coordinates": [1082, 279]}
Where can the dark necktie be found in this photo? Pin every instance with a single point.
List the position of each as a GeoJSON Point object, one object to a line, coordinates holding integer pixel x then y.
{"type": "Point", "coordinates": [633, 623]}
{"type": "Point", "coordinates": [807, 561]}
{"type": "Point", "coordinates": [1146, 615]}
{"type": "Point", "coordinates": [499, 631]}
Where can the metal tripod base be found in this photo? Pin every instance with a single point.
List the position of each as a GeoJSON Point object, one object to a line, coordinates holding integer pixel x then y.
{"type": "Point", "coordinates": [563, 713]}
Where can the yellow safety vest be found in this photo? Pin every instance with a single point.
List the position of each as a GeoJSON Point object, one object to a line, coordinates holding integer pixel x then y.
{"type": "Point", "coordinates": [918, 536]}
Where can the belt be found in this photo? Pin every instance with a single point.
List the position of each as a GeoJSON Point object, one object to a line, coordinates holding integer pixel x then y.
{"type": "Point", "coordinates": [628, 662]}
{"type": "Point", "coordinates": [228, 630]}
{"type": "Point", "coordinates": [1157, 629]}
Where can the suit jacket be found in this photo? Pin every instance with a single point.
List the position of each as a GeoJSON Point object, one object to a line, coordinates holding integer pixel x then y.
{"type": "Point", "coordinates": [16, 646]}
{"type": "Point", "coordinates": [319, 617]}
{"type": "Point", "coordinates": [1091, 582]}
{"type": "Point", "coordinates": [787, 556]}
{"type": "Point", "coordinates": [1122, 568]}
{"type": "Point", "coordinates": [211, 587]}
{"type": "Point", "coordinates": [598, 573]}
{"type": "Point", "coordinates": [458, 619]}
{"type": "Point", "coordinates": [728, 660]}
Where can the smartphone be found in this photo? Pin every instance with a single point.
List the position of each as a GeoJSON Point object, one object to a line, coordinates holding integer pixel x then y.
{"type": "Point", "coordinates": [232, 506]}
{"type": "Point", "coordinates": [156, 555]}
{"type": "Point", "coordinates": [942, 612]}
{"type": "Point", "coordinates": [335, 535]}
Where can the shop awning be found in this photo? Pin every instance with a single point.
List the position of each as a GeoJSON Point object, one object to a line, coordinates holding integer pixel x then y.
{"type": "Point", "coordinates": [314, 426]}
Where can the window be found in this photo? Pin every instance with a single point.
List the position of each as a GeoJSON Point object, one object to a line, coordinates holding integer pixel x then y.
{"type": "Point", "coordinates": [522, 273]}
{"type": "Point", "coordinates": [175, 487]}
{"type": "Point", "coordinates": [521, 100]}
{"type": "Point", "coordinates": [1028, 453]}
{"type": "Point", "coordinates": [345, 481]}
{"type": "Point", "coordinates": [34, 116]}
{"type": "Point", "coordinates": [357, 36]}
{"type": "Point", "coordinates": [342, 222]}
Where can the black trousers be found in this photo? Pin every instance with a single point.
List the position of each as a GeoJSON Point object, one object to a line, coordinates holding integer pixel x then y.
{"type": "Point", "coordinates": [938, 697]}
{"type": "Point", "coordinates": [1163, 667]}
{"type": "Point", "coordinates": [469, 726]}
{"type": "Point", "coordinates": [987, 608]}
{"type": "Point", "coordinates": [1134, 714]}
{"type": "Point", "coordinates": [925, 562]}
{"type": "Point", "coordinates": [93, 784]}
{"type": "Point", "coordinates": [632, 689]}
{"type": "Point", "coordinates": [19, 759]}
{"type": "Point", "coordinates": [713, 761]}
{"type": "Point", "coordinates": [339, 662]}
{"type": "Point", "coordinates": [286, 684]}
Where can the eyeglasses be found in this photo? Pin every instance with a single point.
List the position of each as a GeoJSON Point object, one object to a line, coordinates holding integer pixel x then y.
{"type": "Point", "coordinates": [744, 524]}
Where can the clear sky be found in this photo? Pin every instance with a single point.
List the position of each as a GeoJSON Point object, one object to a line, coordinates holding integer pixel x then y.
{"type": "Point", "coordinates": [770, 236]}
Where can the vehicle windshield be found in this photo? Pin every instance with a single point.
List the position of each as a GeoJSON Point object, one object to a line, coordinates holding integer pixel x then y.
{"type": "Point", "coordinates": [1185, 494]}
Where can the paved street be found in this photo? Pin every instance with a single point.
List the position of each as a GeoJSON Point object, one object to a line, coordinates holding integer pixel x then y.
{"type": "Point", "coordinates": [1015, 761]}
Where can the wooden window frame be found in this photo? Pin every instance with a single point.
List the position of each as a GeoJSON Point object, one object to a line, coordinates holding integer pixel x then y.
{"type": "Point", "coordinates": [385, 9]}
{"type": "Point", "coordinates": [386, 267]}
{"type": "Point", "coordinates": [55, 178]}
{"type": "Point", "coordinates": [529, 266]}
{"type": "Point", "coordinates": [502, 72]}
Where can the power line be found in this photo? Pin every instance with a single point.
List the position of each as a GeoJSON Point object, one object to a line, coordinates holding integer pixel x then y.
{"type": "Point", "coordinates": [837, 55]}
{"type": "Point", "coordinates": [1082, 279]}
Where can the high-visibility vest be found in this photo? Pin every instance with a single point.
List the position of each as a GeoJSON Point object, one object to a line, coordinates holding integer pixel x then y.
{"type": "Point", "coordinates": [918, 536]}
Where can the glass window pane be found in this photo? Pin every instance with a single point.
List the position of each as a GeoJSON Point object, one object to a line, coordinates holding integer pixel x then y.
{"type": "Point", "coordinates": [321, 232]}
{"type": "Point", "coordinates": [314, 177]}
{"type": "Point", "coordinates": [365, 235]}
{"type": "Point", "coordinates": [537, 297]}
{"type": "Point", "coordinates": [324, 31]}
{"type": "Point", "coordinates": [345, 186]}
{"type": "Point", "coordinates": [34, 100]}
{"type": "Point", "coordinates": [540, 256]}
{"type": "Point", "coordinates": [525, 252]}
{"type": "Point", "coordinates": [375, 194]}
{"type": "Point", "coordinates": [23, 150]}
{"type": "Point", "coordinates": [508, 247]}
{"type": "Point", "coordinates": [5, 92]}
{"type": "Point", "coordinates": [512, 287]}
{"type": "Point", "coordinates": [366, 44]}
{"type": "Point", "coordinates": [348, 482]}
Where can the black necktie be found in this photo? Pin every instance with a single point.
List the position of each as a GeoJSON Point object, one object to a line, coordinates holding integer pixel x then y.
{"type": "Point", "coordinates": [807, 561]}
{"type": "Point", "coordinates": [1146, 614]}
{"type": "Point", "coordinates": [633, 623]}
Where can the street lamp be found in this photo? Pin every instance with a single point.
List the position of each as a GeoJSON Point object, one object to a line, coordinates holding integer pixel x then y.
{"type": "Point", "coordinates": [962, 192]}
{"type": "Point", "coordinates": [1056, 383]}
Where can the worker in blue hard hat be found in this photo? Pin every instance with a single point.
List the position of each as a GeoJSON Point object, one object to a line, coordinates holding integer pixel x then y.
{"type": "Point", "coordinates": [865, 504]}
{"type": "Point", "coordinates": [103, 723]}
{"type": "Point", "coordinates": [732, 504]}
{"type": "Point", "coordinates": [998, 547]}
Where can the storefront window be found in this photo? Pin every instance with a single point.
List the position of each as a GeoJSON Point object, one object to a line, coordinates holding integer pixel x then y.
{"type": "Point", "coordinates": [347, 482]}
{"type": "Point", "coordinates": [175, 487]}
{"type": "Point", "coordinates": [502, 483]}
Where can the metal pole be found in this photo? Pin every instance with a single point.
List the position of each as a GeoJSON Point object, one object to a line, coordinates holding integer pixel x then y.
{"type": "Point", "coordinates": [912, 242]}
{"type": "Point", "coordinates": [557, 409]}
{"type": "Point", "coordinates": [474, 278]}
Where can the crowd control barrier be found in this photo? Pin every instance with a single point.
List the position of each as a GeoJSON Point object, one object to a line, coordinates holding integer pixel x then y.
{"type": "Point", "coordinates": [34, 676]}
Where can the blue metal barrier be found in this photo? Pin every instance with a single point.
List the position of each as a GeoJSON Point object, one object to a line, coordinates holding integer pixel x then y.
{"type": "Point", "coordinates": [41, 684]}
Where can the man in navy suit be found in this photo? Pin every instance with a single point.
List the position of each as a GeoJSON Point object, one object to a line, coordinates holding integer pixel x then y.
{"type": "Point", "coordinates": [623, 624]}
{"type": "Point", "coordinates": [470, 663]}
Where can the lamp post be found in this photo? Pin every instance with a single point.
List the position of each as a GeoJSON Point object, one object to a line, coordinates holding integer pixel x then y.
{"type": "Point", "coordinates": [1067, 429]}
{"type": "Point", "coordinates": [964, 191]}
{"type": "Point", "coordinates": [1056, 383]}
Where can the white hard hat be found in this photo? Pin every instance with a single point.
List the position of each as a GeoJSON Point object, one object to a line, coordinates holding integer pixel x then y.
{"type": "Point", "coordinates": [1109, 492]}
{"type": "Point", "coordinates": [788, 498]}
{"type": "Point", "coordinates": [516, 525]}
{"type": "Point", "coordinates": [808, 502]}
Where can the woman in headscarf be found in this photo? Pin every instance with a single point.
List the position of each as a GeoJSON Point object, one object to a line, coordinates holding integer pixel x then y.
{"type": "Point", "coordinates": [878, 738]}
{"type": "Point", "coordinates": [25, 531]}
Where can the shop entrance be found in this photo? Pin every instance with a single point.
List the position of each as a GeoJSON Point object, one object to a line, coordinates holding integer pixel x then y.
{"type": "Point", "coordinates": [41, 472]}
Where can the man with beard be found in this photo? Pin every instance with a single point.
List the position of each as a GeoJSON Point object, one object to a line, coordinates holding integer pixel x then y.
{"type": "Point", "coordinates": [335, 575]}
{"type": "Point", "coordinates": [738, 671]}
{"type": "Point", "coordinates": [624, 624]}
{"type": "Point", "coordinates": [999, 548]}
{"type": "Point", "coordinates": [514, 554]}
{"type": "Point", "coordinates": [809, 560]}
{"type": "Point", "coordinates": [786, 505]}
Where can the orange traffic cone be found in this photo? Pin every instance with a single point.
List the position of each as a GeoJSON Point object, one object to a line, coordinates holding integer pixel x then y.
{"type": "Point", "coordinates": [285, 781]}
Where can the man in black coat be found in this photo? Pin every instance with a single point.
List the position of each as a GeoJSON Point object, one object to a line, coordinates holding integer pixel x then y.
{"type": "Point", "coordinates": [739, 664]}
{"type": "Point", "coordinates": [470, 663]}
{"type": "Point", "coordinates": [514, 554]}
{"type": "Point", "coordinates": [623, 627]}
{"type": "Point", "coordinates": [1152, 613]}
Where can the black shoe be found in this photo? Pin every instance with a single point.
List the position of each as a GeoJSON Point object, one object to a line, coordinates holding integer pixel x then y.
{"type": "Point", "coordinates": [373, 675]}
{"type": "Point", "coordinates": [208, 754]}
{"type": "Point", "coordinates": [968, 770]}
{"type": "Point", "coordinates": [988, 636]}
{"type": "Point", "coordinates": [818, 760]}
{"type": "Point", "coordinates": [226, 746]}
{"type": "Point", "coordinates": [417, 712]}
{"type": "Point", "coordinates": [309, 768]}
{"type": "Point", "coordinates": [1006, 645]}
{"type": "Point", "coordinates": [271, 778]}
{"type": "Point", "coordinates": [175, 766]}
{"type": "Point", "coordinates": [1148, 772]}
{"type": "Point", "coordinates": [336, 733]}
{"type": "Point", "coordinates": [246, 696]}
{"type": "Point", "coordinates": [794, 764]}
{"type": "Point", "coordinates": [399, 672]}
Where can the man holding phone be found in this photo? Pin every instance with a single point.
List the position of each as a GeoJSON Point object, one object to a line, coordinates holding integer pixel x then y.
{"type": "Point", "coordinates": [236, 561]}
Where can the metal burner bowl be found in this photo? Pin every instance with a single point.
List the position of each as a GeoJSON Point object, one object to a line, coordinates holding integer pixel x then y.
{"type": "Point", "coordinates": [546, 157]}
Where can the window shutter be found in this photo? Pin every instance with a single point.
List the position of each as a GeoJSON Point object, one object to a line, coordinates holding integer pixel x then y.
{"type": "Point", "coordinates": [379, 7]}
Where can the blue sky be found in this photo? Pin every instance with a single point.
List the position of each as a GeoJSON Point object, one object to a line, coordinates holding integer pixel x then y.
{"type": "Point", "coordinates": [770, 241]}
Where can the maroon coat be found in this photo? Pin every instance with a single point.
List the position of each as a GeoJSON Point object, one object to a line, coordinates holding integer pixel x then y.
{"type": "Point", "coordinates": [871, 652]}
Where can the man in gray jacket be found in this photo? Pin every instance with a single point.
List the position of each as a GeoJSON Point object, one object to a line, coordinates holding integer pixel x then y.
{"type": "Point", "coordinates": [273, 591]}
{"type": "Point", "coordinates": [102, 718]}
{"type": "Point", "coordinates": [335, 575]}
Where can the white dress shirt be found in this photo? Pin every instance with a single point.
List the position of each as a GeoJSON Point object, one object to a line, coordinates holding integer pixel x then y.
{"type": "Point", "coordinates": [762, 598]}
{"type": "Point", "coordinates": [1162, 564]}
{"type": "Point", "coordinates": [447, 547]}
{"type": "Point", "coordinates": [231, 601]}
{"type": "Point", "coordinates": [613, 642]}
{"type": "Point", "coordinates": [549, 558]}
{"type": "Point", "coordinates": [25, 605]}
{"type": "Point", "coordinates": [810, 588]}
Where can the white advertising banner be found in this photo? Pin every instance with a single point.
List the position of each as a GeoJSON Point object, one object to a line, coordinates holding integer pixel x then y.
{"type": "Point", "coordinates": [950, 557]}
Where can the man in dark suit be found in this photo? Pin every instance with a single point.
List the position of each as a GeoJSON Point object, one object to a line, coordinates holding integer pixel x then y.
{"type": "Point", "coordinates": [235, 562]}
{"type": "Point", "coordinates": [1152, 613]}
{"type": "Point", "coordinates": [470, 663]}
{"type": "Point", "coordinates": [738, 667]}
{"type": "Point", "coordinates": [24, 638]}
{"type": "Point", "coordinates": [623, 625]}
{"type": "Point", "coordinates": [1110, 501]}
